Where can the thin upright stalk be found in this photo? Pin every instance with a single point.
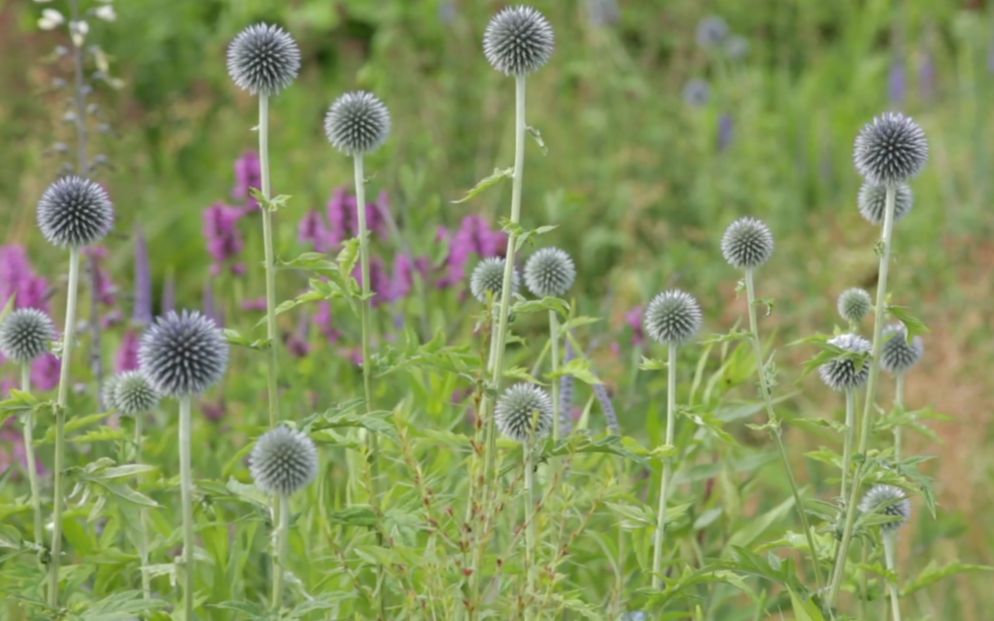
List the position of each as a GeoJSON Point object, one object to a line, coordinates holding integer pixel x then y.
{"type": "Point", "coordinates": [29, 456]}
{"type": "Point", "coordinates": [186, 497]}
{"type": "Point", "coordinates": [664, 480]}
{"type": "Point", "coordinates": [267, 242]}
{"type": "Point", "coordinates": [847, 442]}
{"type": "Point", "coordinates": [890, 560]}
{"type": "Point", "coordinates": [142, 519]}
{"type": "Point", "coordinates": [879, 313]}
{"type": "Point", "coordinates": [68, 334]}
{"type": "Point", "coordinates": [899, 406]}
{"type": "Point", "coordinates": [554, 346]}
{"type": "Point", "coordinates": [530, 563]}
{"type": "Point", "coordinates": [774, 422]}
{"type": "Point", "coordinates": [280, 548]}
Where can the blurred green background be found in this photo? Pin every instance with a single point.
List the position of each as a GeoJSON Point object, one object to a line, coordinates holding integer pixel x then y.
{"type": "Point", "coordinates": [655, 142]}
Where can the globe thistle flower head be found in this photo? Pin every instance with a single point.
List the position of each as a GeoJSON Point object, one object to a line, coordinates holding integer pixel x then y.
{"type": "Point", "coordinates": [672, 318]}
{"type": "Point", "coordinates": [844, 373]}
{"type": "Point", "coordinates": [747, 243]}
{"type": "Point", "coordinates": [549, 272]}
{"type": "Point", "coordinates": [696, 93]}
{"type": "Point", "coordinates": [890, 149]}
{"type": "Point", "coordinates": [357, 123]}
{"type": "Point", "coordinates": [108, 393]}
{"type": "Point", "coordinates": [523, 412]}
{"type": "Point", "coordinates": [898, 354]}
{"type": "Point", "coordinates": [74, 212]}
{"type": "Point", "coordinates": [26, 334]}
{"type": "Point", "coordinates": [133, 394]}
{"type": "Point", "coordinates": [518, 41]}
{"type": "Point", "coordinates": [712, 31]}
{"type": "Point", "coordinates": [887, 500]}
{"type": "Point", "coordinates": [872, 201]}
{"type": "Point", "coordinates": [283, 461]}
{"type": "Point", "coordinates": [263, 59]}
{"type": "Point", "coordinates": [854, 304]}
{"type": "Point", "coordinates": [182, 354]}
{"type": "Point", "coordinates": [488, 278]}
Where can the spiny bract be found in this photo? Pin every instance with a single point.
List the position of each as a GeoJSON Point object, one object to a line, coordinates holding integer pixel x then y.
{"type": "Point", "coordinates": [898, 355]}
{"type": "Point", "coordinates": [357, 123]}
{"type": "Point", "coordinates": [549, 272]}
{"type": "Point", "coordinates": [518, 41]}
{"type": "Point", "coordinates": [890, 149]}
{"type": "Point", "coordinates": [854, 304]}
{"type": "Point", "coordinates": [74, 212]}
{"type": "Point", "coordinates": [872, 201]}
{"type": "Point", "coordinates": [488, 277]}
{"type": "Point", "coordinates": [890, 501]}
{"type": "Point", "coordinates": [844, 373]}
{"type": "Point", "coordinates": [524, 411]}
{"type": "Point", "coordinates": [183, 354]}
{"type": "Point", "coordinates": [263, 59]}
{"type": "Point", "coordinates": [747, 243]}
{"type": "Point", "coordinates": [673, 317]}
{"type": "Point", "coordinates": [134, 394]}
{"type": "Point", "coordinates": [283, 461]}
{"type": "Point", "coordinates": [26, 334]}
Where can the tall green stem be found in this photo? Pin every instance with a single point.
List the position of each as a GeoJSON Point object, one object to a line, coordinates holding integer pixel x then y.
{"type": "Point", "coordinates": [29, 456]}
{"type": "Point", "coordinates": [879, 313]}
{"type": "Point", "coordinates": [68, 334]}
{"type": "Point", "coordinates": [664, 480]}
{"type": "Point", "coordinates": [186, 499]}
{"type": "Point", "coordinates": [847, 442]}
{"type": "Point", "coordinates": [530, 563]}
{"type": "Point", "coordinates": [554, 347]}
{"type": "Point", "coordinates": [270, 264]}
{"type": "Point", "coordinates": [280, 548]}
{"type": "Point", "coordinates": [890, 560]}
{"type": "Point", "coordinates": [899, 406]}
{"type": "Point", "coordinates": [765, 389]}
{"type": "Point", "coordinates": [142, 518]}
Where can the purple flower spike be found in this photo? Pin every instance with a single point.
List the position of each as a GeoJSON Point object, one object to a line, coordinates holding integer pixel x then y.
{"type": "Point", "coordinates": [248, 175]}
{"type": "Point", "coordinates": [18, 278]}
{"type": "Point", "coordinates": [224, 239]}
{"type": "Point", "coordinates": [142, 314]}
{"type": "Point", "coordinates": [127, 353]}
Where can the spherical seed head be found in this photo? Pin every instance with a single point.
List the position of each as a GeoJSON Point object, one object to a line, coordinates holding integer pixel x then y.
{"type": "Point", "coordinates": [518, 41]}
{"type": "Point", "coordinates": [549, 272]}
{"type": "Point", "coordinates": [898, 355]}
{"type": "Point", "coordinates": [488, 277]}
{"type": "Point", "coordinates": [283, 461]}
{"type": "Point", "coordinates": [854, 304]}
{"type": "Point", "coordinates": [133, 393]}
{"type": "Point", "coordinates": [747, 243]}
{"type": "Point", "coordinates": [182, 354]}
{"type": "Point", "coordinates": [357, 123]}
{"type": "Point", "coordinates": [712, 31]}
{"type": "Point", "coordinates": [844, 373]}
{"type": "Point", "coordinates": [108, 393]}
{"type": "Point", "coordinates": [672, 318]}
{"type": "Point", "coordinates": [263, 59]}
{"type": "Point", "coordinates": [74, 212]}
{"type": "Point", "coordinates": [26, 334]}
{"type": "Point", "coordinates": [890, 149]}
{"type": "Point", "coordinates": [524, 411]}
{"type": "Point", "coordinates": [890, 501]}
{"type": "Point", "coordinates": [872, 201]}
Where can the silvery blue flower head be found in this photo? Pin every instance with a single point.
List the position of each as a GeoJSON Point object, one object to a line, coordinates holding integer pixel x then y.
{"type": "Point", "coordinates": [74, 212]}
{"type": "Point", "coordinates": [672, 318]}
{"type": "Point", "coordinates": [890, 501]}
{"type": "Point", "coordinates": [518, 41]}
{"type": "Point", "coordinates": [182, 354]}
{"type": "Point", "coordinates": [108, 393]}
{"type": "Point", "coordinates": [844, 372]}
{"type": "Point", "coordinates": [26, 334]}
{"type": "Point", "coordinates": [133, 393]}
{"type": "Point", "coordinates": [854, 304]}
{"type": "Point", "coordinates": [890, 149]}
{"type": "Point", "coordinates": [712, 31]}
{"type": "Point", "coordinates": [747, 243]}
{"type": "Point", "coordinates": [263, 59]}
{"type": "Point", "coordinates": [898, 354]}
{"type": "Point", "coordinates": [696, 93]}
{"type": "Point", "coordinates": [872, 201]}
{"type": "Point", "coordinates": [488, 278]}
{"type": "Point", "coordinates": [283, 461]}
{"type": "Point", "coordinates": [524, 411]}
{"type": "Point", "coordinates": [549, 272]}
{"type": "Point", "coordinates": [357, 123]}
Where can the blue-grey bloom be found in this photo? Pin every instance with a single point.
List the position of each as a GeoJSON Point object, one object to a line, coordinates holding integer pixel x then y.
{"type": "Point", "coordinates": [283, 461]}
{"type": "Point", "coordinates": [890, 149]}
{"type": "Point", "coordinates": [357, 123]}
{"type": "Point", "coordinates": [849, 370]}
{"type": "Point", "coordinates": [898, 354]}
{"type": "Point", "coordinates": [518, 41]}
{"type": "Point", "coordinates": [523, 412]}
{"type": "Point", "coordinates": [488, 278]}
{"type": "Point", "coordinates": [183, 354]}
{"type": "Point", "coordinates": [133, 393]}
{"type": "Point", "coordinates": [890, 501]}
{"type": "Point", "coordinates": [549, 272]}
{"type": "Point", "coordinates": [854, 304]}
{"type": "Point", "coordinates": [696, 92]}
{"type": "Point", "coordinates": [26, 334]}
{"type": "Point", "coordinates": [712, 31]}
{"type": "Point", "coordinates": [747, 243]}
{"type": "Point", "coordinates": [263, 59]}
{"type": "Point", "coordinates": [872, 201]}
{"type": "Point", "coordinates": [74, 212]}
{"type": "Point", "coordinates": [672, 318]}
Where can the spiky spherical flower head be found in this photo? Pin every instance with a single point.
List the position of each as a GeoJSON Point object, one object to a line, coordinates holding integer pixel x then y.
{"type": "Point", "coordinates": [488, 278]}
{"type": "Point", "coordinates": [524, 411]}
{"type": "Point", "coordinates": [74, 212]}
{"type": "Point", "coordinates": [133, 393]}
{"type": "Point", "coordinates": [747, 243]}
{"type": "Point", "coordinates": [357, 123]}
{"type": "Point", "coordinates": [283, 461]}
{"type": "Point", "coordinates": [849, 370]}
{"type": "Point", "coordinates": [263, 59]}
{"type": "Point", "coordinates": [854, 304]}
{"type": "Point", "coordinates": [108, 393]}
{"type": "Point", "coordinates": [549, 272]}
{"type": "Point", "coordinates": [890, 149]}
{"type": "Point", "coordinates": [898, 354]}
{"type": "Point", "coordinates": [673, 317]}
{"type": "Point", "coordinates": [518, 41]}
{"type": "Point", "coordinates": [890, 501]}
{"type": "Point", "coordinates": [182, 354]}
{"type": "Point", "coordinates": [25, 334]}
{"type": "Point", "coordinates": [872, 201]}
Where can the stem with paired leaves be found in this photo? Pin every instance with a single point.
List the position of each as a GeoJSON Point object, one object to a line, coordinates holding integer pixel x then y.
{"type": "Point", "coordinates": [664, 480]}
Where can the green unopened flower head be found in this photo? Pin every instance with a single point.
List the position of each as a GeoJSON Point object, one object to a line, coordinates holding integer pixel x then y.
{"type": "Point", "coordinates": [549, 272]}
{"type": "Point", "coordinates": [890, 501]}
{"type": "Point", "coordinates": [488, 278]}
{"type": "Point", "coordinates": [854, 304]}
{"type": "Point", "coordinates": [133, 393]}
{"type": "Point", "coordinates": [26, 334]}
{"type": "Point", "coordinates": [672, 318]}
{"type": "Point", "coordinates": [524, 411]}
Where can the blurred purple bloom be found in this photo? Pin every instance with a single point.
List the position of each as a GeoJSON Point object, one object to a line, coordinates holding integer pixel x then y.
{"type": "Point", "coordinates": [127, 352]}
{"type": "Point", "coordinates": [214, 412]}
{"type": "Point", "coordinates": [298, 341]}
{"type": "Point", "coordinates": [926, 77]}
{"type": "Point", "coordinates": [696, 93]}
{"type": "Point", "coordinates": [224, 239]}
{"type": "Point", "coordinates": [248, 175]}
{"type": "Point", "coordinates": [45, 372]}
{"type": "Point", "coordinates": [209, 304]}
{"type": "Point", "coordinates": [633, 319]}
{"type": "Point", "coordinates": [254, 304]}
{"type": "Point", "coordinates": [323, 320]}
{"type": "Point", "coordinates": [379, 280]}
{"type": "Point", "coordinates": [313, 230]}
{"type": "Point", "coordinates": [897, 82]}
{"type": "Point", "coordinates": [106, 291]}
{"type": "Point", "coordinates": [473, 237]}
{"type": "Point", "coordinates": [142, 314]}
{"type": "Point", "coordinates": [342, 221]}
{"type": "Point", "coordinates": [600, 391]}
{"type": "Point", "coordinates": [18, 278]}
{"type": "Point", "coordinates": [726, 129]}
{"type": "Point", "coordinates": [566, 393]}
{"type": "Point", "coordinates": [712, 31]}
{"type": "Point", "coordinates": [169, 294]}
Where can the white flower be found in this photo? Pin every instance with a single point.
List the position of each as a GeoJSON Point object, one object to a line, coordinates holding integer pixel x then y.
{"type": "Point", "coordinates": [106, 13]}
{"type": "Point", "coordinates": [78, 30]}
{"type": "Point", "coordinates": [50, 19]}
